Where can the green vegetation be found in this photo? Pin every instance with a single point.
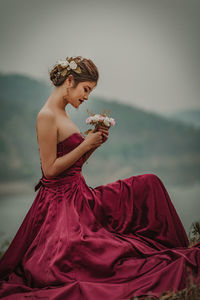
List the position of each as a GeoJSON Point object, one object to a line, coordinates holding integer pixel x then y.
{"type": "Point", "coordinates": [4, 244]}
{"type": "Point", "coordinates": [191, 292]}
{"type": "Point", "coordinates": [190, 117]}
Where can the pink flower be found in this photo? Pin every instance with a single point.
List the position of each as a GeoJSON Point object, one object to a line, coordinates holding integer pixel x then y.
{"type": "Point", "coordinates": [101, 117]}
{"type": "Point", "coordinates": [88, 120]}
{"type": "Point", "coordinates": [112, 121]}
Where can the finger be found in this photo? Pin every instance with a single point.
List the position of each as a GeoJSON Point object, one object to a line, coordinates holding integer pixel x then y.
{"type": "Point", "coordinates": [103, 131]}
{"type": "Point", "coordinates": [105, 135]}
{"type": "Point", "coordinates": [99, 133]}
{"type": "Point", "coordinates": [99, 143]}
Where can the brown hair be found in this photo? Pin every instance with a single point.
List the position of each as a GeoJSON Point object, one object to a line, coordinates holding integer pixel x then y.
{"type": "Point", "coordinates": [89, 72]}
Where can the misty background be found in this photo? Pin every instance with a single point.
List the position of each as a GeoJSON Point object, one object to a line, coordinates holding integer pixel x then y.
{"type": "Point", "coordinates": [147, 53]}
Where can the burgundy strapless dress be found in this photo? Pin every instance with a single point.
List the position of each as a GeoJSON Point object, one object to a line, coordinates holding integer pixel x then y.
{"type": "Point", "coordinates": [111, 242]}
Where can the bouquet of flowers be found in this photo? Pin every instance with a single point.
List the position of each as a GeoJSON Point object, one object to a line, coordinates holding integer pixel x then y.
{"type": "Point", "coordinates": [97, 120]}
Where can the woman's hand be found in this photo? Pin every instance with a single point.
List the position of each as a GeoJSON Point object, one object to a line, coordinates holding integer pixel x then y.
{"type": "Point", "coordinates": [93, 139]}
{"type": "Point", "coordinates": [105, 132]}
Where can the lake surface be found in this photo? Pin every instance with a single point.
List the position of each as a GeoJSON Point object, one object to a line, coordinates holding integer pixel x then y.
{"type": "Point", "coordinates": [13, 209]}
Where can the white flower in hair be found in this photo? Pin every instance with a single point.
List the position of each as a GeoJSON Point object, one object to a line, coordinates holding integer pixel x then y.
{"type": "Point", "coordinates": [63, 63]}
{"type": "Point", "coordinates": [66, 65]}
{"type": "Point", "coordinates": [72, 65]}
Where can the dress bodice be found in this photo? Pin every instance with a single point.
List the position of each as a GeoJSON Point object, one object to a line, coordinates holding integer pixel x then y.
{"type": "Point", "coordinates": [64, 147]}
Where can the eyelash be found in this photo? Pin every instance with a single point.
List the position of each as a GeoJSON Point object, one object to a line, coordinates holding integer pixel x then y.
{"type": "Point", "coordinates": [85, 89]}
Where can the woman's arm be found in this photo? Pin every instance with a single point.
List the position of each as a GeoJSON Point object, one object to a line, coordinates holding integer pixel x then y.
{"type": "Point", "coordinates": [64, 162]}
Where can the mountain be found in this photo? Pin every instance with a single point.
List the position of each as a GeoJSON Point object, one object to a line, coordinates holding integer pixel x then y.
{"type": "Point", "coordinates": [190, 117]}
{"type": "Point", "coordinates": [140, 142]}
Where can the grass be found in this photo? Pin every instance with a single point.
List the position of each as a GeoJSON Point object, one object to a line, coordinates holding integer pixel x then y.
{"type": "Point", "coordinates": [191, 292]}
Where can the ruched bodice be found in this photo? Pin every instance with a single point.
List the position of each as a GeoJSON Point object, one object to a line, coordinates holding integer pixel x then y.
{"type": "Point", "coordinates": [64, 147]}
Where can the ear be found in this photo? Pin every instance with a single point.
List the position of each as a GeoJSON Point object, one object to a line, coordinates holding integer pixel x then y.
{"type": "Point", "coordinates": [70, 79]}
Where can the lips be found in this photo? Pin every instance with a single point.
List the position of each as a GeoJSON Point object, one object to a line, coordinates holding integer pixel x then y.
{"type": "Point", "coordinates": [81, 101]}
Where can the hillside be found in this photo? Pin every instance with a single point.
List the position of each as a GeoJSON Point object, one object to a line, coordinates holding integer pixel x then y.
{"type": "Point", "coordinates": [141, 142]}
{"type": "Point", "coordinates": [190, 117]}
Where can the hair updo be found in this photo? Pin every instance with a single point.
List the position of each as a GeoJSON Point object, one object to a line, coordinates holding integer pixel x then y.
{"type": "Point", "coordinates": [89, 72]}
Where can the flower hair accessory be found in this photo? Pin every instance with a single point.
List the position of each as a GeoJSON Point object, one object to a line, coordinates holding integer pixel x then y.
{"type": "Point", "coordinates": [64, 66]}
{"type": "Point", "coordinates": [99, 120]}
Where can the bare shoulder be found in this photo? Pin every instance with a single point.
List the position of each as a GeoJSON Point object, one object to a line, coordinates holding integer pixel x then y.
{"type": "Point", "coordinates": [45, 114]}
{"type": "Point", "coordinates": [45, 122]}
{"type": "Point", "coordinates": [45, 119]}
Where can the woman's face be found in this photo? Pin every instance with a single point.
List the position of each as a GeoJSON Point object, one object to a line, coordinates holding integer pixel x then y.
{"type": "Point", "coordinates": [80, 93]}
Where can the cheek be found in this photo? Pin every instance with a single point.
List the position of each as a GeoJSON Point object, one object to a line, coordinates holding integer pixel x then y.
{"type": "Point", "coordinates": [76, 94]}
{"type": "Point", "coordinates": [79, 91]}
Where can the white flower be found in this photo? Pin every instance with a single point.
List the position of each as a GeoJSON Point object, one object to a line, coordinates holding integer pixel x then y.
{"type": "Point", "coordinates": [96, 118]}
{"type": "Point", "coordinates": [63, 63]}
{"type": "Point", "coordinates": [107, 121]}
{"type": "Point", "coordinates": [73, 65]}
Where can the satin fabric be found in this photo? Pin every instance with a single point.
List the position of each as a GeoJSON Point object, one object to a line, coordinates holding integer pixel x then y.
{"type": "Point", "coordinates": [113, 242]}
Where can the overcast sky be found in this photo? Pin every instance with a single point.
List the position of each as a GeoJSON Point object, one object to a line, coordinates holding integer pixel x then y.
{"type": "Point", "coordinates": [147, 51]}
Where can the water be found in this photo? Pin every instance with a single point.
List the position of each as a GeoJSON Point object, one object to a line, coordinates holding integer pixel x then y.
{"type": "Point", "coordinates": [186, 200]}
{"type": "Point", "coordinates": [13, 209]}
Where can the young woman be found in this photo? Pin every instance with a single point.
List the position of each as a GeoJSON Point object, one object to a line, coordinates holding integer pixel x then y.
{"type": "Point", "coordinates": [114, 241]}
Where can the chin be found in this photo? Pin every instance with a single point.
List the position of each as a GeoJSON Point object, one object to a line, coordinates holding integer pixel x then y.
{"type": "Point", "coordinates": [74, 105]}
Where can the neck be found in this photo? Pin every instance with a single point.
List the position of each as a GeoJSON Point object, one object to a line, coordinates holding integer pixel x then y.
{"type": "Point", "coordinates": [56, 100]}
